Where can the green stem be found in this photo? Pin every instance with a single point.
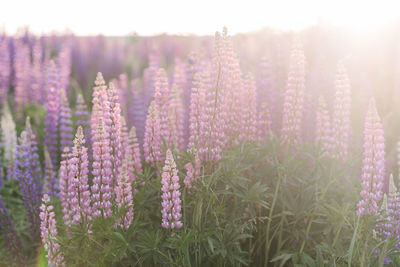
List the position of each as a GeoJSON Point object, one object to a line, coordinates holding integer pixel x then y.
{"type": "Point", "coordinates": [305, 239]}
{"type": "Point", "coordinates": [353, 240]}
{"type": "Point", "coordinates": [271, 211]}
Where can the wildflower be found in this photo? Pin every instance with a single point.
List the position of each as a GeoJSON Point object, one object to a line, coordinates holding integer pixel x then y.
{"type": "Point", "coordinates": [373, 171]}
{"type": "Point", "coordinates": [171, 202]}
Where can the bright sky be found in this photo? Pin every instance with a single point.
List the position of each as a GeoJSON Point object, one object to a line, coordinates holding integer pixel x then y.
{"type": "Point", "coordinates": [146, 17]}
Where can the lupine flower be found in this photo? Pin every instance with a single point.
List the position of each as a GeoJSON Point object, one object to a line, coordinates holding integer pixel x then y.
{"type": "Point", "coordinates": [5, 71]}
{"type": "Point", "coordinates": [211, 132]}
{"type": "Point", "coordinates": [1, 166]}
{"type": "Point", "coordinates": [341, 113]}
{"type": "Point", "coordinates": [36, 93]}
{"type": "Point", "coordinates": [373, 171]}
{"type": "Point", "coordinates": [49, 233]}
{"type": "Point", "coordinates": [171, 201]}
{"type": "Point", "coordinates": [78, 187]}
{"type": "Point", "coordinates": [102, 173]}
{"type": "Point", "coordinates": [323, 135]}
{"type": "Point", "coordinates": [176, 119]}
{"type": "Point", "coordinates": [64, 61]}
{"type": "Point", "coordinates": [101, 106]}
{"type": "Point", "coordinates": [152, 137]}
{"type": "Point", "coordinates": [53, 113]}
{"type": "Point", "coordinates": [123, 198]}
{"type": "Point", "coordinates": [249, 111]}
{"type": "Point", "coordinates": [115, 133]}
{"type": "Point", "coordinates": [197, 101]}
{"type": "Point", "coordinates": [22, 69]}
{"type": "Point", "coordinates": [64, 180]}
{"type": "Point", "coordinates": [383, 229]}
{"type": "Point", "coordinates": [161, 100]}
{"type": "Point", "coordinates": [29, 176]}
{"type": "Point", "coordinates": [393, 209]}
{"type": "Point", "coordinates": [294, 98]}
{"type": "Point", "coordinates": [192, 172]}
{"type": "Point", "coordinates": [138, 109]}
{"type": "Point", "coordinates": [132, 156]}
{"type": "Point", "coordinates": [82, 119]}
{"type": "Point", "coordinates": [9, 139]}
{"type": "Point", "coordinates": [9, 235]}
{"type": "Point", "coordinates": [264, 122]}
{"type": "Point", "coordinates": [65, 122]}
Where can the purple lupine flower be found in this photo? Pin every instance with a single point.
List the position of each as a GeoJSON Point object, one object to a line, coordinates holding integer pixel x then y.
{"type": "Point", "coordinates": [323, 135]}
{"type": "Point", "coordinates": [248, 103]}
{"type": "Point", "coordinates": [341, 114]}
{"type": "Point", "coordinates": [115, 133]}
{"type": "Point", "coordinates": [22, 69]}
{"type": "Point", "coordinates": [176, 119]}
{"type": "Point", "coordinates": [171, 201]}
{"type": "Point", "coordinates": [393, 210]}
{"type": "Point", "coordinates": [192, 172]}
{"type": "Point", "coordinates": [65, 122]}
{"type": "Point", "coordinates": [29, 176]}
{"type": "Point", "coordinates": [373, 171]}
{"type": "Point", "coordinates": [161, 100]}
{"type": "Point", "coordinates": [294, 98]}
{"type": "Point", "coordinates": [53, 113]}
{"type": "Point", "coordinates": [264, 122]}
{"type": "Point", "coordinates": [49, 233]}
{"type": "Point", "coordinates": [152, 137]}
{"type": "Point", "coordinates": [78, 187]}
{"type": "Point", "coordinates": [102, 173]}
{"type": "Point", "coordinates": [197, 101]}
{"type": "Point", "coordinates": [64, 181]}
{"type": "Point", "coordinates": [123, 198]}
{"type": "Point", "coordinates": [5, 69]}
{"type": "Point", "coordinates": [9, 235]}
{"type": "Point", "coordinates": [133, 158]}
{"type": "Point", "coordinates": [1, 164]}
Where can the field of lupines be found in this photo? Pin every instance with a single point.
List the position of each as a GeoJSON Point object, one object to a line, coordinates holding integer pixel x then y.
{"type": "Point", "coordinates": [261, 149]}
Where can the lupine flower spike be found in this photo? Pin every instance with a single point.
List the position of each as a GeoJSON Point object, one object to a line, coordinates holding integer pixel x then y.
{"type": "Point", "coordinates": [373, 171]}
{"type": "Point", "coordinates": [171, 197]}
{"type": "Point", "coordinates": [49, 233]}
{"type": "Point", "coordinates": [123, 198]}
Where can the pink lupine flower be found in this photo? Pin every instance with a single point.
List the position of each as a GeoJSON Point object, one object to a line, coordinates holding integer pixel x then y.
{"type": "Point", "coordinates": [22, 69]}
{"type": "Point", "coordinates": [161, 100]}
{"type": "Point", "coordinates": [115, 133]}
{"type": "Point", "coordinates": [294, 99]}
{"type": "Point", "coordinates": [64, 180]}
{"type": "Point", "coordinates": [176, 118]}
{"type": "Point", "coordinates": [101, 107]}
{"type": "Point", "coordinates": [192, 172]}
{"type": "Point", "coordinates": [124, 137]}
{"type": "Point", "coordinates": [341, 114]}
{"type": "Point", "coordinates": [132, 156]}
{"type": "Point", "coordinates": [323, 135]}
{"type": "Point", "coordinates": [248, 130]}
{"type": "Point", "coordinates": [197, 101]}
{"type": "Point", "coordinates": [373, 171]}
{"type": "Point", "coordinates": [5, 69]}
{"type": "Point", "coordinates": [123, 198]}
{"type": "Point", "coordinates": [179, 77]}
{"type": "Point", "coordinates": [171, 201]}
{"type": "Point", "coordinates": [102, 173]}
{"type": "Point", "coordinates": [152, 138]}
{"type": "Point", "coordinates": [78, 187]}
{"type": "Point", "coordinates": [36, 92]}
{"type": "Point", "coordinates": [49, 233]}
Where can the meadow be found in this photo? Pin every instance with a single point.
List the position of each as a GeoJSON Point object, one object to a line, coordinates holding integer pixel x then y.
{"type": "Point", "coordinates": [259, 149]}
